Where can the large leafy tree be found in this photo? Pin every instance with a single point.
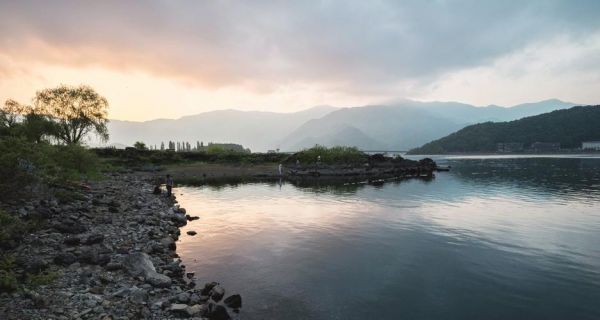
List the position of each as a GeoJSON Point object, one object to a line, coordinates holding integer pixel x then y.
{"type": "Point", "coordinates": [76, 111]}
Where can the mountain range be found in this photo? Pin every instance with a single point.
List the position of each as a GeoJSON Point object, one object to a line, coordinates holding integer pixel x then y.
{"type": "Point", "coordinates": [400, 125]}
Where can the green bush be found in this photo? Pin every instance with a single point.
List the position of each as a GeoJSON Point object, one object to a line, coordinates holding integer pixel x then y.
{"type": "Point", "coordinates": [333, 155]}
{"type": "Point", "coordinates": [72, 162]}
{"type": "Point", "coordinates": [19, 165]}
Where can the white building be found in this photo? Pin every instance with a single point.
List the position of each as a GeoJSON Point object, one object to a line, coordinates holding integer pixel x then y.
{"type": "Point", "coordinates": [590, 145]}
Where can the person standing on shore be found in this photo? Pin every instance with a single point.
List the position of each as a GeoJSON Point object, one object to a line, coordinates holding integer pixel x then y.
{"type": "Point", "coordinates": [169, 184]}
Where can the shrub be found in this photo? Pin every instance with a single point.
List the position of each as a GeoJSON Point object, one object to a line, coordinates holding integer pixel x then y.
{"type": "Point", "coordinates": [333, 155]}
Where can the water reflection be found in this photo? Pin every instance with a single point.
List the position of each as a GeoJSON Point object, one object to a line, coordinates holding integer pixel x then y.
{"type": "Point", "coordinates": [494, 238]}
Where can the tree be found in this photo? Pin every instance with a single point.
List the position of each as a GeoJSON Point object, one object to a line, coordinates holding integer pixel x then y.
{"type": "Point", "coordinates": [162, 146]}
{"type": "Point", "coordinates": [10, 113]}
{"type": "Point", "coordinates": [139, 145]}
{"type": "Point", "coordinates": [76, 111]}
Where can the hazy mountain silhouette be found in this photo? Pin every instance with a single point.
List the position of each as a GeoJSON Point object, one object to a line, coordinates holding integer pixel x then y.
{"type": "Point", "coordinates": [406, 124]}
{"type": "Point", "coordinates": [253, 129]}
{"type": "Point", "coordinates": [401, 125]}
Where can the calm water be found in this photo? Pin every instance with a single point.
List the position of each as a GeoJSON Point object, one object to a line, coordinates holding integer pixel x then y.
{"type": "Point", "coordinates": [495, 238]}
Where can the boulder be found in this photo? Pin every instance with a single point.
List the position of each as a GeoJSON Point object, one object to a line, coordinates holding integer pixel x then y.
{"type": "Point", "coordinates": [233, 301]}
{"type": "Point", "coordinates": [139, 264]}
{"type": "Point", "coordinates": [192, 233]}
{"type": "Point", "coordinates": [217, 293]}
{"type": "Point", "coordinates": [208, 287]}
{"type": "Point", "coordinates": [197, 310]}
{"type": "Point", "coordinates": [218, 312]}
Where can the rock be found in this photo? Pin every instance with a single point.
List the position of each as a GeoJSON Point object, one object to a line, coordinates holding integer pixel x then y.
{"type": "Point", "coordinates": [196, 299]}
{"type": "Point", "coordinates": [33, 264]}
{"type": "Point", "coordinates": [196, 310]}
{"type": "Point", "coordinates": [92, 256]}
{"type": "Point", "coordinates": [189, 275]}
{"type": "Point", "coordinates": [169, 243]}
{"type": "Point", "coordinates": [69, 226]}
{"type": "Point", "coordinates": [113, 266]}
{"type": "Point", "coordinates": [139, 264]}
{"type": "Point", "coordinates": [179, 309]}
{"type": "Point", "coordinates": [72, 241]}
{"type": "Point", "coordinates": [233, 301]}
{"type": "Point", "coordinates": [191, 218]}
{"type": "Point", "coordinates": [94, 238]}
{"type": "Point", "coordinates": [208, 287]}
{"type": "Point", "coordinates": [218, 312]}
{"type": "Point", "coordinates": [179, 210]}
{"type": "Point", "coordinates": [138, 295]}
{"type": "Point", "coordinates": [192, 233]}
{"type": "Point", "coordinates": [217, 293]}
{"type": "Point", "coordinates": [183, 297]}
{"type": "Point", "coordinates": [179, 219]}
{"type": "Point", "coordinates": [65, 258]}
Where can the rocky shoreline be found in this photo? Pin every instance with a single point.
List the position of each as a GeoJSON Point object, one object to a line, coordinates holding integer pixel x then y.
{"type": "Point", "coordinates": [111, 254]}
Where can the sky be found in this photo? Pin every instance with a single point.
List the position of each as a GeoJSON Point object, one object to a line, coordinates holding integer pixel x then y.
{"type": "Point", "coordinates": [165, 59]}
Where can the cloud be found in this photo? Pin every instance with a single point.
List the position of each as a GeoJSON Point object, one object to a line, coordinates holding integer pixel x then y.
{"type": "Point", "coordinates": [349, 49]}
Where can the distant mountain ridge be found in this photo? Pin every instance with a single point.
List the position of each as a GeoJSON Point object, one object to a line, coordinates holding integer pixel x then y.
{"type": "Point", "coordinates": [400, 125]}
{"type": "Point", "coordinates": [568, 127]}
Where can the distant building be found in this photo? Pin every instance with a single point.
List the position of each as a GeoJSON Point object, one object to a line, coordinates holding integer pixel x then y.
{"type": "Point", "coordinates": [509, 147]}
{"type": "Point", "coordinates": [545, 146]}
{"type": "Point", "coordinates": [590, 145]}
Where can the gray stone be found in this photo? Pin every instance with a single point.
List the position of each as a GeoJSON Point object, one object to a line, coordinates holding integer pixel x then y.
{"type": "Point", "coordinates": [183, 297]}
{"type": "Point", "coordinates": [197, 310]}
{"type": "Point", "coordinates": [139, 264]}
{"type": "Point", "coordinates": [138, 295]}
{"type": "Point", "coordinates": [233, 301]}
{"type": "Point", "coordinates": [217, 293]}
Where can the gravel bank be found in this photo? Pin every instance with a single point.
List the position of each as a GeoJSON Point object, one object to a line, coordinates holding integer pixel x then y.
{"type": "Point", "coordinates": [111, 255]}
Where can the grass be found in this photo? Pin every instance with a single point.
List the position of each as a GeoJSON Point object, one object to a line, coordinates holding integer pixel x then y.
{"type": "Point", "coordinates": [11, 227]}
{"type": "Point", "coordinates": [8, 279]}
{"type": "Point", "coordinates": [42, 279]}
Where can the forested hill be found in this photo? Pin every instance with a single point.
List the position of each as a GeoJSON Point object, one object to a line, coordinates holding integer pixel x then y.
{"type": "Point", "coordinates": [569, 127]}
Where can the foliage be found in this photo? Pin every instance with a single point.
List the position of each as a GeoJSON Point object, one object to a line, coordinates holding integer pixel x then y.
{"type": "Point", "coordinates": [23, 163]}
{"type": "Point", "coordinates": [19, 164]}
{"type": "Point", "coordinates": [10, 113]}
{"type": "Point", "coordinates": [11, 227]}
{"type": "Point", "coordinates": [8, 279]}
{"type": "Point", "coordinates": [72, 162]}
{"type": "Point", "coordinates": [77, 111]}
{"type": "Point", "coordinates": [140, 145]}
{"type": "Point", "coordinates": [333, 155]}
{"type": "Point", "coordinates": [42, 278]}
{"type": "Point", "coordinates": [568, 127]}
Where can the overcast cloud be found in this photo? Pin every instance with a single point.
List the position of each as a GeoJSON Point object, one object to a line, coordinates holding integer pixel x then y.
{"type": "Point", "coordinates": [377, 49]}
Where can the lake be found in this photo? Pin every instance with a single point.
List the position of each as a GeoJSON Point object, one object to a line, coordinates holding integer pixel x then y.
{"type": "Point", "coordinates": [495, 238]}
